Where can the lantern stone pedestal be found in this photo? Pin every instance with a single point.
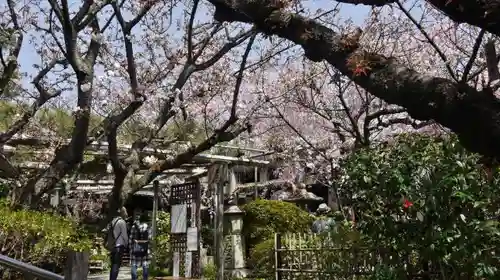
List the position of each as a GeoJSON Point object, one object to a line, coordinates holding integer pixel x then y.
{"type": "Point", "coordinates": [235, 244]}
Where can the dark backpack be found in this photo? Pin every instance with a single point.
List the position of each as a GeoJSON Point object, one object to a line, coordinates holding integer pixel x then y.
{"type": "Point", "coordinates": [142, 234]}
{"type": "Point", "coordinates": [110, 239]}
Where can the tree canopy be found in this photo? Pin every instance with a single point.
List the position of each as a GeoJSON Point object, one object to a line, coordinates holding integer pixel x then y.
{"type": "Point", "coordinates": [305, 81]}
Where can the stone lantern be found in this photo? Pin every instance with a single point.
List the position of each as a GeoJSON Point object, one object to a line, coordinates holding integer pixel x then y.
{"type": "Point", "coordinates": [235, 245]}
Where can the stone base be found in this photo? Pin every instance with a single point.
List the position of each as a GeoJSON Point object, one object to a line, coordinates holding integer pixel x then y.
{"type": "Point", "coordinates": [237, 272]}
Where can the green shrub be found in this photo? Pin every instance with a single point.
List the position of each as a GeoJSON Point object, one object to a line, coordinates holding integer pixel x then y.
{"type": "Point", "coordinates": [163, 253]}
{"type": "Point", "coordinates": [261, 258]}
{"type": "Point", "coordinates": [99, 253]}
{"type": "Point", "coordinates": [384, 273]}
{"type": "Point", "coordinates": [159, 272]}
{"type": "Point", "coordinates": [264, 218]}
{"type": "Point", "coordinates": [427, 197]}
{"type": "Point", "coordinates": [38, 238]}
{"type": "Point", "coordinates": [209, 272]}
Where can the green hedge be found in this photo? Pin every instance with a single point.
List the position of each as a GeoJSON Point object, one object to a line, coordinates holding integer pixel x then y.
{"type": "Point", "coordinates": [38, 238]}
{"type": "Point", "coordinates": [264, 218]}
{"type": "Point", "coordinates": [163, 252]}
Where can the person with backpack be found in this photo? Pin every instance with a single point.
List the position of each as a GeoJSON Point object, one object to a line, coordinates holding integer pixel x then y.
{"type": "Point", "coordinates": [116, 240]}
{"type": "Point", "coordinates": [140, 236]}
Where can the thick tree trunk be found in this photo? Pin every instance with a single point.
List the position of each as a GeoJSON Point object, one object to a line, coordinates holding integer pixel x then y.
{"type": "Point", "coordinates": [473, 115]}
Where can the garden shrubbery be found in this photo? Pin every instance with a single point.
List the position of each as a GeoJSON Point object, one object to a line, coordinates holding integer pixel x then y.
{"type": "Point", "coordinates": [38, 238]}
{"type": "Point", "coordinates": [430, 198]}
{"type": "Point", "coordinates": [163, 252]}
{"type": "Point", "coordinates": [421, 202]}
{"type": "Point", "coordinates": [264, 218]}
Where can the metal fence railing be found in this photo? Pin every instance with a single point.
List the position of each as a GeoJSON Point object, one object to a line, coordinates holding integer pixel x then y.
{"type": "Point", "coordinates": [28, 269]}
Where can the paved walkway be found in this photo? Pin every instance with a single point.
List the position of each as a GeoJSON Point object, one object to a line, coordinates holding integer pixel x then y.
{"type": "Point", "coordinates": [123, 275]}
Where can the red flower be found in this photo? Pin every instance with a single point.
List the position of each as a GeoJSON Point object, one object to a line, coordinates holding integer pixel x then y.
{"type": "Point", "coordinates": [407, 204]}
{"type": "Point", "coordinates": [359, 70]}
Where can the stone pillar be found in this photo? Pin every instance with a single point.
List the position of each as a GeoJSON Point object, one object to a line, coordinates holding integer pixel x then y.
{"type": "Point", "coordinates": [235, 246]}
{"type": "Point", "coordinates": [55, 197]}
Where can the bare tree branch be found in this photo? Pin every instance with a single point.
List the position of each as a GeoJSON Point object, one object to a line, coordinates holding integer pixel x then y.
{"type": "Point", "coordinates": [227, 132]}
{"type": "Point", "coordinates": [11, 65]}
{"type": "Point", "coordinates": [429, 40]}
{"type": "Point", "coordinates": [483, 14]}
{"type": "Point", "coordinates": [473, 57]}
{"type": "Point", "coordinates": [190, 32]}
{"type": "Point", "coordinates": [43, 97]}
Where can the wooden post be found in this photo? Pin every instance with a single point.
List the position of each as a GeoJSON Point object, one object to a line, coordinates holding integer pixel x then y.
{"type": "Point", "coordinates": [219, 223]}
{"type": "Point", "coordinates": [277, 256]}
{"type": "Point", "coordinates": [156, 190]}
{"type": "Point", "coordinates": [197, 269]}
{"type": "Point", "coordinates": [77, 266]}
{"type": "Point", "coordinates": [255, 189]}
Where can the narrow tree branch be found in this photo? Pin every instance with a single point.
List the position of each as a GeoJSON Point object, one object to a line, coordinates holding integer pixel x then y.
{"type": "Point", "coordinates": [222, 134]}
{"type": "Point", "coordinates": [43, 97]}
{"type": "Point", "coordinates": [240, 38]}
{"type": "Point", "coordinates": [11, 65]}
{"type": "Point", "coordinates": [473, 56]}
{"type": "Point", "coordinates": [483, 14]}
{"type": "Point", "coordinates": [239, 78]}
{"type": "Point", "coordinates": [190, 32]}
{"type": "Point", "coordinates": [429, 40]}
{"type": "Point", "coordinates": [70, 34]}
{"type": "Point", "coordinates": [129, 51]}
{"type": "Point", "coordinates": [117, 165]}
{"type": "Point", "coordinates": [296, 131]}
{"type": "Point", "coordinates": [376, 3]}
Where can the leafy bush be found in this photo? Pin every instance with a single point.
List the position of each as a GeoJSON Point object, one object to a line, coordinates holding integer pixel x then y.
{"type": "Point", "coordinates": [99, 253]}
{"type": "Point", "coordinates": [38, 238]}
{"type": "Point", "coordinates": [209, 272]}
{"type": "Point", "coordinates": [427, 197]}
{"type": "Point", "coordinates": [262, 258]}
{"type": "Point", "coordinates": [384, 273]}
{"type": "Point", "coordinates": [207, 237]}
{"type": "Point", "coordinates": [264, 218]}
{"type": "Point", "coordinates": [4, 191]}
{"type": "Point", "coordinates": [163, 253]}
{"type": "Point", "coordinates": [159, 272]}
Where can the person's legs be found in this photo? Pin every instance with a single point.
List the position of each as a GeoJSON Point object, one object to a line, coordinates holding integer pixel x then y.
{"type": "Point", "coordinates": [145, 270]}
{"type": "Point", "coordinates": [116, 261]}
{"type": "Point", "coordinates": [111, 271]}
{"type": "Point", "coordinates": [133, 270]}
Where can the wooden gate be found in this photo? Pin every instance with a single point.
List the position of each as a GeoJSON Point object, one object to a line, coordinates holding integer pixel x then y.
{"type": "Point", "coordinates": [185, 229]}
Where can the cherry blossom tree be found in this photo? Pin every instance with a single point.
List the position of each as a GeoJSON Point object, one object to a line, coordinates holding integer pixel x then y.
{"type": "Point", "coordinates": [231, 67]}
{"type": "Point", "coordinates": [469, 112]}
{"type": "Point", "coordinates": [124, 61]}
